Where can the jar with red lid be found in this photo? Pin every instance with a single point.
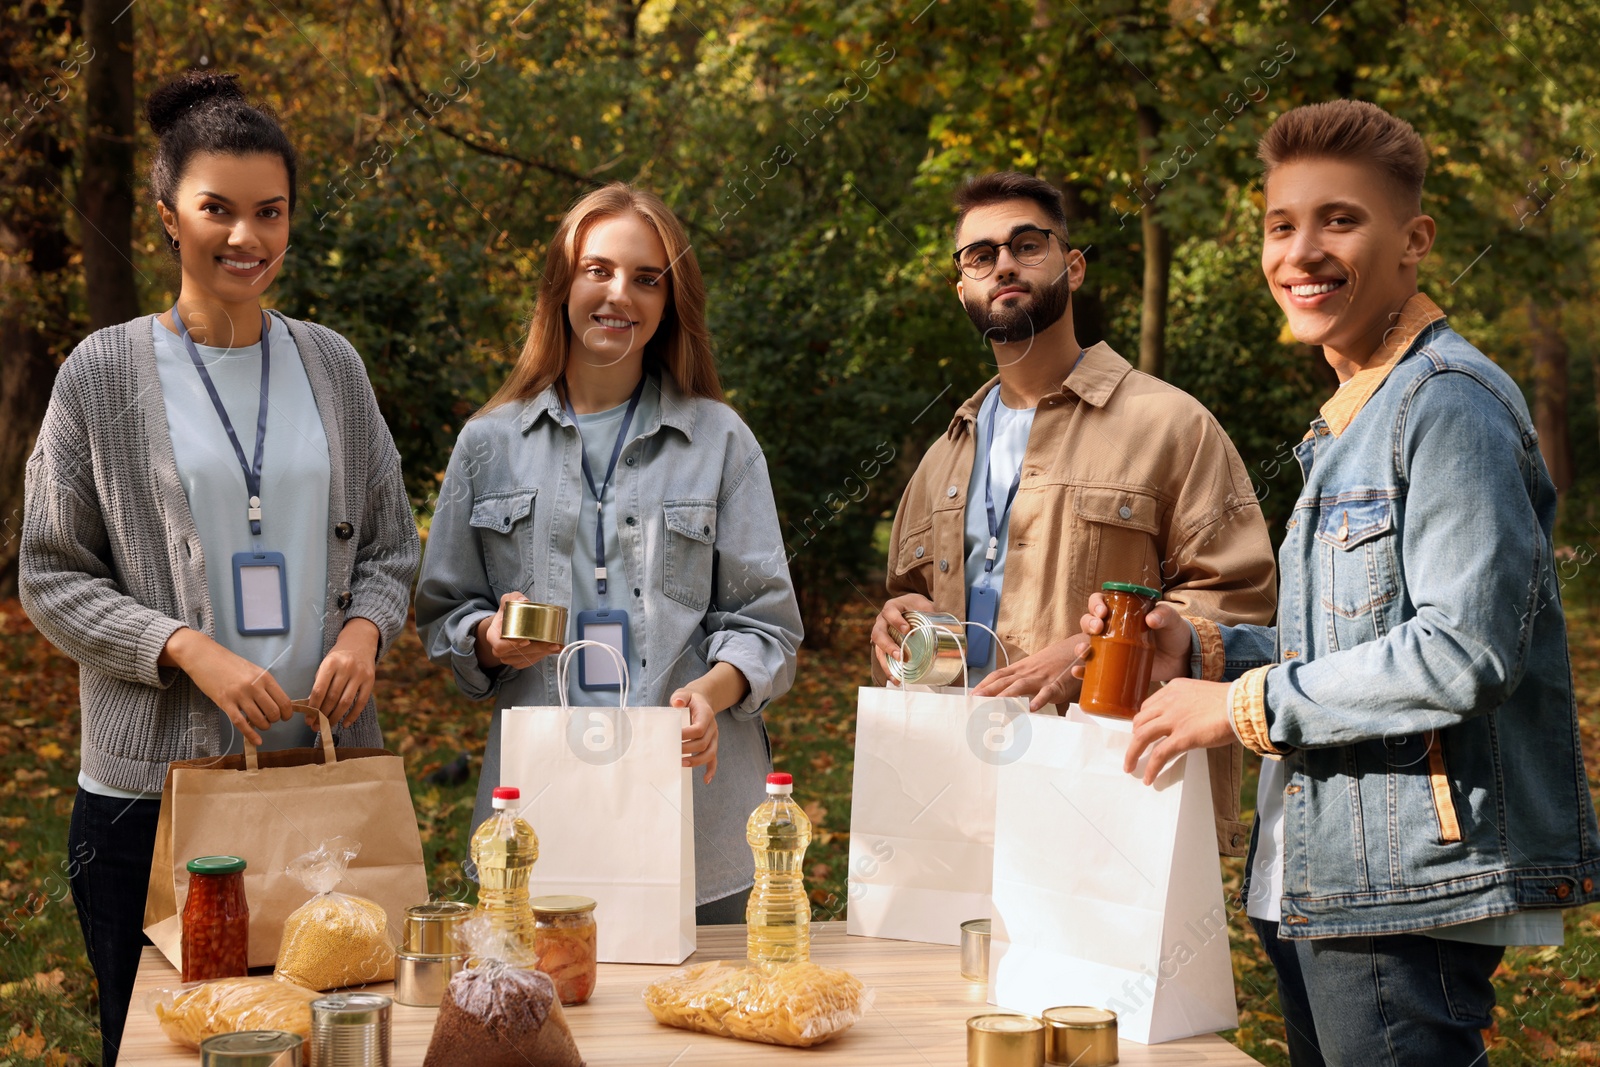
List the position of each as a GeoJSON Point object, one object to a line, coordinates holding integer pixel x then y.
{"type": "Point", "coordinates": [1116, 677]}
{"type": "Point", "coordinates": [216, 920]}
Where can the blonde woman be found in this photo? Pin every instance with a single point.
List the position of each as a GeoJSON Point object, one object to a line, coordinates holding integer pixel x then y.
{"type": "Point", "coordinates": [608, 476]}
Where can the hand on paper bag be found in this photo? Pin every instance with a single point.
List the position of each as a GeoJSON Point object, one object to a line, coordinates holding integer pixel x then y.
{"type": "Point", "coordinates": [700, 736]}
{"type": "Point", "coordinates": [496, 650]}
{"type": "Point", "coordinates": [1173, 638]}
{"type": "Point", "coordinates": [247, 694]}
{"type": "Point", "coordinates": [345, 678]}
{"type": "Point", "coordinates": [891, 625]}
{"type": "Point", "coordinates": [1182, 715]}
{"type": "Point", "coordinates": [1046, 676]}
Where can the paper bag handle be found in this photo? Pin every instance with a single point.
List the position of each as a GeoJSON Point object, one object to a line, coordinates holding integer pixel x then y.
{"type": "Point", "coordinates": [564, 664]}
{"type": "Point", "coordinates": [252, 761]}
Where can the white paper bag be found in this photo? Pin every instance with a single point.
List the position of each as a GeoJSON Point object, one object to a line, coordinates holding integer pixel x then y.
{"type": "Point", "coordinates": [607, 793]}
{"type": "Point", "coordinates": [922, 808]}
{"type": "Point", "coordinates": [1108, 892]}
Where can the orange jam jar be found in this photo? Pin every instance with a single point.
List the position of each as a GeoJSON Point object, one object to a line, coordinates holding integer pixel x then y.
{"type": "Point", "coordinates": [565, 939]}
{"type": "Point", "coordinates": [1116, 678]}
{"type": "Point", "coordinates": [216, 920]}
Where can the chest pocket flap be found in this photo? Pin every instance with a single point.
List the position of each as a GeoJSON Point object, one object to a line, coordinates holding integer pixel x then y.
{"type": "Point", "coordinates": [1349, 523]}
{"type": "Point", "coordinates": [1118, 507]}
{"type": "Point", "coordinates": [694, 519]}
{"type": "Point", "coordinates": [501, 511]}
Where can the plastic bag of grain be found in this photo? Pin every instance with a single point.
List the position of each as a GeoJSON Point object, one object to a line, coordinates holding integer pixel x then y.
{"type": "Point", "coordinates": [500, 1011]}
{"type": "Point", "coordinates": [333, 940]}
{"type": "Point", "coordinates": [190, 1014]}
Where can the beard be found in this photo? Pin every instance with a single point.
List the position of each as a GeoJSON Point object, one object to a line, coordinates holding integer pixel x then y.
{"type": "Point", "coordinates": [1025, 318]}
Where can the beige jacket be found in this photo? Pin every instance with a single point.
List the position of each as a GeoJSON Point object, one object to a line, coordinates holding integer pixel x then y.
{"type": "Point", "coordinates": [1126, 479]}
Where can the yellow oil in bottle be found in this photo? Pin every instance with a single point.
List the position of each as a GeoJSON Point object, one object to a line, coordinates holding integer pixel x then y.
{"type": "Point", "coordinates": [504, 849]}
{"type": "Point", "coordinates": [778, 916]}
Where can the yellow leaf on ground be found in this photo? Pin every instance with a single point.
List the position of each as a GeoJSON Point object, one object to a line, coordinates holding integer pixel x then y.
{"type": "Point", "coordinates": [50, 750]}
{"type": "Point", "coordinates": [30, 1045]}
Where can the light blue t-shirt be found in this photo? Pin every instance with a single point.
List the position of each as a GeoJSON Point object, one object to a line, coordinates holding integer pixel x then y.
{"type": "Point", "coordinates": [599, 432]}
{"type": "Point", "coordinates": [1010, 428]}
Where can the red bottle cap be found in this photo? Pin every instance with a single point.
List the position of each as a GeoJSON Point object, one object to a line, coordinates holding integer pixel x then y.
{"type": "Point", "coordinates": [507, 792]}
{"type": "Point", "coordinates": [780, 778]}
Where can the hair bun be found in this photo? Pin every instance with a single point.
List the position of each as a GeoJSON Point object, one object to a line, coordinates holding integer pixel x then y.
{"type": "Point", "coordinates": [173, 100]}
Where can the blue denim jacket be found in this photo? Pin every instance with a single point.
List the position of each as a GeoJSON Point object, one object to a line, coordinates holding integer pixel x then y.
{"type": "Point", "coordinates": [704, 573]}
{"type": "Point", "coordinates": [1418, 685]}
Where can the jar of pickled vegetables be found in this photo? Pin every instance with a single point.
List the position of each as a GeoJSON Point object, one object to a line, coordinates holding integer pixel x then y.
{"type": "Point", "coordinates": [216, 920]}
{"type": "Point", "coordinates": [1117, 674]}
{"type": "Point", "coordinates": [565, 939]}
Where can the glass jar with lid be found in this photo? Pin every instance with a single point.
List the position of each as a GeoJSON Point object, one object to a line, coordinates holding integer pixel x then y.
{"type": "Point", "coordinates": [1116, 677]}
{"type": "Point", "coordinates": [216, 920]}
{"type": "Point", "coordinates": [566, 940]}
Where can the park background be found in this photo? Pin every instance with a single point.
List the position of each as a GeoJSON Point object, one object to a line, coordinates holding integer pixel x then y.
{"type": "Point", "coordinates": [812, 148]}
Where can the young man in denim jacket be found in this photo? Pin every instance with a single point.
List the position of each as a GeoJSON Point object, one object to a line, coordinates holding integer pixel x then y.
{"type": "Point", "coordinates": [1423, 801]}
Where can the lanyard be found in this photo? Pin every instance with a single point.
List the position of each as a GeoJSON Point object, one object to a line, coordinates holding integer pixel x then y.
{"type": "Point", "coordinates": [600, 491]}
{"type": "Point", "coordinates": [986, 435]}
{"type": "Point", "coordinates": [252, 473]}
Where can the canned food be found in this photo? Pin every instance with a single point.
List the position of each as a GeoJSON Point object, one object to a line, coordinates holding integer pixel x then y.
{"type": "Point", "coordinates": [1078, 1036]}
{"type": "Point", "coordinates": [975, 950]}
{"type": "Point", "coordinates": [527, 621]}
{"type": "Point", "coordinates": [420, 981]}
{"type": "Point", "coordinates": [350, 1030]}
{"type": "Point", "coordinates": [252, 1048]}
{"type": "Point", "coordinates": [933, 651]}
{"type": "Point", "coordinates": [1005, 1041]}
{"type": "Point", "coordinates": [431, 927]}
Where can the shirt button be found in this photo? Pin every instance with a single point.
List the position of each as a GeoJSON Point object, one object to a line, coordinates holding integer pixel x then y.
{"type": "Point", "coordinates": [344, 600]}
{"type": "Point", "coordinates": [919, 552]}
{"type": "Point", "coordinates": [1125, 511]}
{"type": "Point", "coordinates": [951, 492]}
{"type": "Point", "coordinates": [630, 520]}
{"type": "Point", "coordinates": [344, 531]}
{"type": "Point", "coordinates": [944, 564]}
{"type": "Point", "coordinates": [1563, 891]}
{"type": "Point", "coordinates": [1237, 840]}
{"type": "Point", "coordinates": [630, 461]}
{"type": "Point", "coordinates": [636, 592]}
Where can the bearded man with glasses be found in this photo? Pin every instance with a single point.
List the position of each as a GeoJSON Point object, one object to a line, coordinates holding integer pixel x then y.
{"type": "Point", "coordinates": [1067, 470]}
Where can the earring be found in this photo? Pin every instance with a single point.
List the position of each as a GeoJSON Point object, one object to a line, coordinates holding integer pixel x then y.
{"type": "Point", "coordinates": [173, 241]}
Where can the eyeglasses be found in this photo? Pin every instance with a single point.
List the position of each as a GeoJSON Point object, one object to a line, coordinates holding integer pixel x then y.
{"type": "Point", "coordinates": [1028, 247]}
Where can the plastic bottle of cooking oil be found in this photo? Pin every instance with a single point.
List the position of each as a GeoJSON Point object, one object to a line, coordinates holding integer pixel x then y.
{"type": "Point", "coordinates": [504, 849]}
{"type": "Point", "coordinates": [779, 914]}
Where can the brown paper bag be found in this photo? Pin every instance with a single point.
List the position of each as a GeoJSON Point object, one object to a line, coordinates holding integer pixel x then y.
{"type": "Point", "coordinates": [270, 807]}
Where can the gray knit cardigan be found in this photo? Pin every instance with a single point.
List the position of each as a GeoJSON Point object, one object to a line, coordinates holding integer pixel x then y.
{"type": "Point", "coordinates": [111, 563]}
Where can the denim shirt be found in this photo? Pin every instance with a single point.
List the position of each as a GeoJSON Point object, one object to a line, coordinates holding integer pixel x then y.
{"type": "Point", "coordinates": [1418, 686]}
{"type": "Point", "coordinates": [704, 577]}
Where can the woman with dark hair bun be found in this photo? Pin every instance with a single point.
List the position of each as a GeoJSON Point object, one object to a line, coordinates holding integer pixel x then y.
{"type": "Point", "coordinates": [215, 523]}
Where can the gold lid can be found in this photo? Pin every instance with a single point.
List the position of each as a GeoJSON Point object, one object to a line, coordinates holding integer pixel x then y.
{"type": "Point", "coordinates": [1005, 1040]}
{"type": "Point", "coordinates": [562, 905]}
{"type": "Point", "coordinates": [527, 621]}
{"type": "Point", "coordinates": [1080, 1035]}
{"type": "Point", "coordinates": [975, 934]}
{"type": "Point", "coordinates": [430, 929]}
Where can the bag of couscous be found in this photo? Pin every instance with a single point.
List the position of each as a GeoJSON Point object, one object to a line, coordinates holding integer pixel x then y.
{"type": "Point", "coordinates": [333, 940]}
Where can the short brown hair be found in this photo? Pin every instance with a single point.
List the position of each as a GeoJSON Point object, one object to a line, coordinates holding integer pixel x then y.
{"type": "Point", "coordinates": [681, 345]}
{"type": "Point", "coordinates": [1354, 131]}
{"type": "Point", "coordinates": [1011, 185]}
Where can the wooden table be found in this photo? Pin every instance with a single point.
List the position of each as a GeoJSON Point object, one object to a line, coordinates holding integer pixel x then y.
{"type": "Point", "coordinates": [919, 1016]}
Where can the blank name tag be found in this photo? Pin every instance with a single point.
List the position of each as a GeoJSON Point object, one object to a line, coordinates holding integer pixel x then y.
{"type": "Point", "coordinates": [596, 668]}
{"type": "Point", "coordinates": [261, 593]}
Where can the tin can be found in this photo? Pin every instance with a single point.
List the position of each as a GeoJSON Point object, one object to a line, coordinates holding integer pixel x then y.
{"type": "Point", "coordinates": [420, 981]}
{"type": "Point", "coordinates": [1005, 1040]}
{"type": "Point", "coordinates": [431, 927]}
{"type": "Point", "coordinates": [1079, 1036]}
{"type": "Point", "coordinates": [975, 950]}
{"type": "Point", "coordinates": [253, 1048]}
{"type": "Point", "coordinates": [933, 652]}
{"type": "Point", "coordinates": [350, 1030]}
{"type": "Point", "coordinates": [527, 621]}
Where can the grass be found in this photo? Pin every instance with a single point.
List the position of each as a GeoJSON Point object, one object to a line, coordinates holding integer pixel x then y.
{"type": "Point", "coordinates": [1548, 998]}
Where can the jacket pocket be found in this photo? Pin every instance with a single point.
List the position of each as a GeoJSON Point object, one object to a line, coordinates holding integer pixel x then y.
{"type": "Point", "coordinates": [690, 556]}
{"type": "Point", "coordinates": [1444, 801]}
{"type": "Point", "coordinates": [504, 522]}
{"type": "Point", "coordinates": [1359, 571]}
{"type": "Point", "coordinates": [1118, 530]}
{"type": "Point", "coordinates": [915, 549]}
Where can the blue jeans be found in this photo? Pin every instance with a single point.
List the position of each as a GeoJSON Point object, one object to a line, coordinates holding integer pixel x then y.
{"type": "Point", "coordinates": [1394, 1001]}
{"type": "Point", "coordinates": [115, 839]}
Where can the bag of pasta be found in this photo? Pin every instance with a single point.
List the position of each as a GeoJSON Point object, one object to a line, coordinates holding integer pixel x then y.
{"type": "Point", "coordinates": [333, 940]}
{"type": "Point", "coordinates": [499, 1011]}
{"type": "Point", "coordinates": [797, 1004]}
{"type": "Point", "coordinates": [193, 1013]}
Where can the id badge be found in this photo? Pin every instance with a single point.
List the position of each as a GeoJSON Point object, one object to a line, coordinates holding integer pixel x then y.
{"type": "Point", "coordinates": [261, 593]}
{"type": "Point", "coordinates": [983, 606]}
{"type": "Point", "coordinates": [596, 669]}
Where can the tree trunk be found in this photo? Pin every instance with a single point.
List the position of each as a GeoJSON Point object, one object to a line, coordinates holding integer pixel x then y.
{"type": "Point", "coordinates": [1550, 392]}
{"type": "Point", "coordinates": [105, 190]}
{"type": "Point", "coordinates": [1157, 253]}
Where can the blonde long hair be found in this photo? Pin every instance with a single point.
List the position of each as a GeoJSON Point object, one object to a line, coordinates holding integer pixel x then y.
{"type": "Point", "coordinates": [681, 344]}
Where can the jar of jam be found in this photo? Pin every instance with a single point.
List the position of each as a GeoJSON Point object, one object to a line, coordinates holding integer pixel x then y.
{"type": "Point", "coordinates": [1117, 675]}
{"type": "Point", "coordinates": [565, 940]}
{"type": "Point", "coordinates": [216, 920]}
